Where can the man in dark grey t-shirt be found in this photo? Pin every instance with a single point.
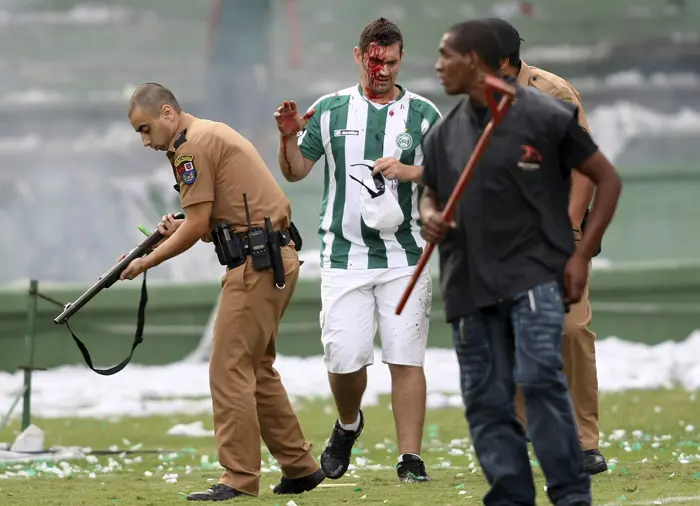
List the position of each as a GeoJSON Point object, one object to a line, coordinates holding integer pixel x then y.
{"type": "Point", "coordinates": [509, 266]}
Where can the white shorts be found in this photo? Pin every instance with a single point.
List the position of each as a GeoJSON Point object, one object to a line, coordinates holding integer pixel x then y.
{"type": "Point", "coordinates": [355, 303]}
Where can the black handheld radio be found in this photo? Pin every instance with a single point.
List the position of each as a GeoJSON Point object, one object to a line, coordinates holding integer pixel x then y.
{"type": "Point", "coordinates": [257, 242]}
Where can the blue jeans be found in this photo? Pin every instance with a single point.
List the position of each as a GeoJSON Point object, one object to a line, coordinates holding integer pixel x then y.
{"type": "Point", "coordinates": [519, 341]}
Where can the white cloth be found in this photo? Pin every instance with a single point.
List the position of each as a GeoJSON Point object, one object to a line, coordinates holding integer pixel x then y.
{"type": "Point", "coordinates": [381, 212]}
{"type": "Point", "coordinates": [355, 304]}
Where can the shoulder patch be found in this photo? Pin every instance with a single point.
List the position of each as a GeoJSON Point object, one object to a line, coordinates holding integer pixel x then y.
{"type": "Point", "coordinates": [184, 165]}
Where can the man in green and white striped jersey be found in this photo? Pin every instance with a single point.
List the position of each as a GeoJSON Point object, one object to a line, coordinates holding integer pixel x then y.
{"type": "Point", "coordinates": [369, 135]}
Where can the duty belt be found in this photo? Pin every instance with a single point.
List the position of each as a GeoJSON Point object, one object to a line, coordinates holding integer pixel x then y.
{"type": "Point", "coordinates": [284, 240]}
{"type": "Point", "coordinates": [283, 234]}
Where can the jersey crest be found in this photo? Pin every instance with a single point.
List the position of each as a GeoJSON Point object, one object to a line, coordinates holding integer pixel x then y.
{"type": "Point", "coordinates": [404, 141]}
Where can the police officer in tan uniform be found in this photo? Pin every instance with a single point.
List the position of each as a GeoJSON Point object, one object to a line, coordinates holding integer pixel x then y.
{"type": "Point", "coordinates": [214, 166]}
{"type": "Point", "coordinates": [578, 345]}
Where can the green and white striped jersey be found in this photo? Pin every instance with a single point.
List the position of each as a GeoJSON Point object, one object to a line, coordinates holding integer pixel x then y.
{"type": "Point", "coordinates": [348, 129]}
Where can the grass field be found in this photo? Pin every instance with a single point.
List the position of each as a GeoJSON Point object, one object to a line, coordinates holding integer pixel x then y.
{"type": "Point", "coordinates": [648, 437]}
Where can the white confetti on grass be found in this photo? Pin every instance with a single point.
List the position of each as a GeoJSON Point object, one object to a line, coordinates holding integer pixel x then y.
{"type": "Point", "coordinates": [663, 500]}
{"type": "Point", "coordinates": [194, 429]}
{"type": "Point", "coordinates": [73, 391]}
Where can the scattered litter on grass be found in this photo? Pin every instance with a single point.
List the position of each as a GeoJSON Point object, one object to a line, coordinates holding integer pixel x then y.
{"type": "Point", "coordinates": [194, 429]}
{"type": "Point", "coordinates": [184, 387]}
{"type": "Point", "coordinates": [170, 478]}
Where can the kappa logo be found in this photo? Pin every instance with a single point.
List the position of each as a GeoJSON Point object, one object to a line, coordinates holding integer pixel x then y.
{"type": "Point", "coordinates": [345, 133]}
{"type": "Point", "coordinates": [404, 141]}
{"type": "Point", "coordinates": [184, 165]}
{"type": "Point", "coordinates": [530, 159]}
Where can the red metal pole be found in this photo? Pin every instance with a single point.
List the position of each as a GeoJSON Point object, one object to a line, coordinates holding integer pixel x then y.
{"type": "Point", "coordinates": [492, 85]}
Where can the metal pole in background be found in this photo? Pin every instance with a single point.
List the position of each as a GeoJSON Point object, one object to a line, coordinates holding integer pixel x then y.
{"type": "Point", "coordinates": [29, 340]}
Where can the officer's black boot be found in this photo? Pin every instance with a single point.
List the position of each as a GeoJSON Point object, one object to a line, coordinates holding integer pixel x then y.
{"type": "Point", "coordinates": [218, 492]}
{"type": "Point", "coordinates": [299, 485]}
{"type": "Point", "coordinates": [335, 458]}
{"type": "Point", "coordinates": [594, 462]}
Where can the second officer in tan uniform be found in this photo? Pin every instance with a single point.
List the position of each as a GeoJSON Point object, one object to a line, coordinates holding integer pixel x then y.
{"type": "Point", "coordinates": [578, 344]}
{"type": "Point", "coordinates": [214, 167]}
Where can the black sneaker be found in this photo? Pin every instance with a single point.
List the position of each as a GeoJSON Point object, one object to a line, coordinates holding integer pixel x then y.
{"type": "Point", "coordinates": [412, 470]}
{"type": "Point", "coordinates": [594, 462]}
{"type": "Point", "coordinates": [335, 458]}
{"type": "Point", "coordinates": [218, 492]}
{"type": "Point", "coordinates": [299, 485]}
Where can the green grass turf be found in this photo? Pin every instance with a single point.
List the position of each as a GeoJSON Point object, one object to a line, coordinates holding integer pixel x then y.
{"type": "Point", "coordinates": [648, 437]}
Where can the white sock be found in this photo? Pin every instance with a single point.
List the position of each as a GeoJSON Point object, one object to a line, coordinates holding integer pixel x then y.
{"type": "Point", "coordinates": [351, 427]}
{"type": "Point", "coordinates": [401, 457]}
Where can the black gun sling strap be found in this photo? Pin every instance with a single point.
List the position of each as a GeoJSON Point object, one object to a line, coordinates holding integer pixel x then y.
{"type": "Point", "coordinates": [138, 337]}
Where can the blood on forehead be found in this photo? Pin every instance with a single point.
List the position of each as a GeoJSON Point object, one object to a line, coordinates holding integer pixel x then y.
{"type": "Point", "coordinates": [375, 55]}
{"type": "Point", "coordinates": [375, 63]}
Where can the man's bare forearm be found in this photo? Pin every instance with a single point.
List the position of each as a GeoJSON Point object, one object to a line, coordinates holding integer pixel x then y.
{"type": "Point", "coordinates": [428, 203]}
{"type": "Point", "coordinates": [416, 174]}
{"type": "Point", "coordinates": [290, 159]}
{"type": "Point", "coordinates": [608, 189]}
{"type": "Point", "coordinates": [182, 239]}
{"type": "Point", "coordinates": [582, 190]}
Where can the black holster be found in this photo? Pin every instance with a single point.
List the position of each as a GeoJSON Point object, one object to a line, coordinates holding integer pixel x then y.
{"type": "Point", "coordinates": [275, 245]}
{"type": "Point", "coordinates": [295, 236]}
{"type": "Point", "coordinates": [229, 248]}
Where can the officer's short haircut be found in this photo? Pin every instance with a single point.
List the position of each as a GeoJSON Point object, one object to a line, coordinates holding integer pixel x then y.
{"type": "Point", "coordinates": [151, 97]}
{"type": "Point", "coordinates": [381, 32]}
{"type": "Point", "coordinates": [477, 35]}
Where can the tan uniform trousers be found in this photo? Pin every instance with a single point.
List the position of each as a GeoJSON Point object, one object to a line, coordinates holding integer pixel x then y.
{"type": "Point", "coordinates": [578, 354]}
{"type": "Point", "coordinates": [248, 397]}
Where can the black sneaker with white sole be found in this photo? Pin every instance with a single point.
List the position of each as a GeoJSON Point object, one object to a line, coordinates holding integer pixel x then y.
{"type": "Point", "coordinates": [412, 470]}
{"type": "Point", "coordinates": [335, 458]}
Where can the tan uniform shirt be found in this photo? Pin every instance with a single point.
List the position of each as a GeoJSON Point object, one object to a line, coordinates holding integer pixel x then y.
{"type": "Point", "coordinates": [552, 84]}
{"type": "Point", "coordinates": [217, 164]}
{"type": "Point", "coordinates": [558, 87]}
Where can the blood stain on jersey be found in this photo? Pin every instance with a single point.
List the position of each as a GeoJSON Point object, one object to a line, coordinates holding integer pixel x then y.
{"type": "Point", "coordinates": [184, 165]}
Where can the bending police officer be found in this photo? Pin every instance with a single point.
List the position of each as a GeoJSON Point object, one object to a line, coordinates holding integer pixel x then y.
{"type": "Point", "coordinates": [213, 165]}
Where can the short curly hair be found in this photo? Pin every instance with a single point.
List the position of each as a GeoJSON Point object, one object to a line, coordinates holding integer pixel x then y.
{"type": "Point", "coordinates": [381, 32]}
